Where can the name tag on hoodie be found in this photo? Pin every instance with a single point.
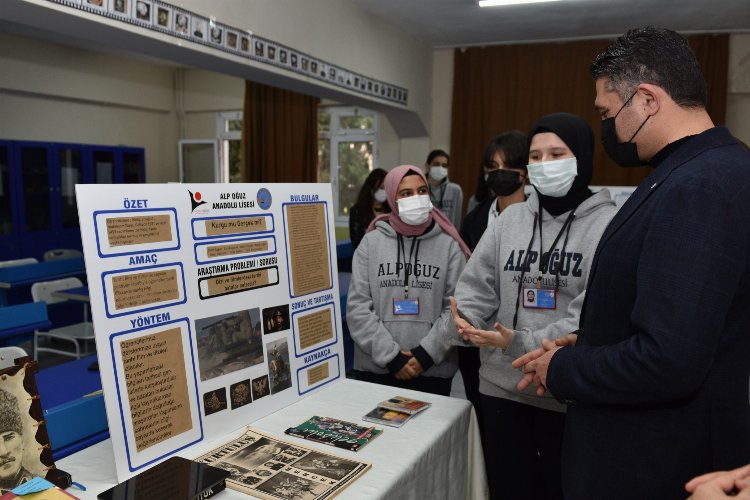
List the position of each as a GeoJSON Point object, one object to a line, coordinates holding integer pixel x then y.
{"type": "Point", "coordinates": [408, 307]}
{"type": "Point", "coordinates": [539, 298]}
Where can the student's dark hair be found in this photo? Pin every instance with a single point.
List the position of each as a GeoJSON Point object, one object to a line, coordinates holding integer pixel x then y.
{"type": "Point", "coordinates": [658, 56]}
{"type": "Point", "coordinates": [514, 147]}
{"type": "Point", "coordinates": [435, 153]}
{"type": "Point", "coordinates": [365, 197]}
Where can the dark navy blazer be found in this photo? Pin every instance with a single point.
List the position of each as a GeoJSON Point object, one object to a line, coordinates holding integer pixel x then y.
{"type": "Point", "coordinates": [657, 385]}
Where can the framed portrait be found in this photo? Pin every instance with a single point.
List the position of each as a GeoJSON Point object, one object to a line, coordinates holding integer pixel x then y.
{"type": "Point", "coordinates": [244, 44]}
{"type": "Point", "coordinates": [283, 56]}
{"type": "Point", "coordinates": [304, 63]}
{"type": "Point", "coordinates": [216, 33]}
{"type": "Point", "coordinates": [120, 7]}
{"type": "Point", "coordinates": [232, 40]}
{"type": "Point", "coordinates": [142, 11]}
{"type": "Point", "coordinates": [95, 4]}
{"type": "Point", "coordinates": [181, 23]}
{"type": "Point", "coordinates": [294, 60]}
{"type": "Point", "coordinates": [164, 16]}
{"type": "Point", "coordinates": [271, 52]}
{"type": "Point", "coordinates": [314, 67]}
{"type": "Point", "coordinates": [198, 27]}
{"type": "Point", "coordinates": [23, 431]}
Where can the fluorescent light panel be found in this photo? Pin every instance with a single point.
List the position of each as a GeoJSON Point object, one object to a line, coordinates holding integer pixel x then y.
{"type": "Point", "coordinates": [500, 3]}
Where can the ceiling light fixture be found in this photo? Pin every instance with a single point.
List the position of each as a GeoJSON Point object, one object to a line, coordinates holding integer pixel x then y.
{"type": "Point", "coordinates": [499, 3]}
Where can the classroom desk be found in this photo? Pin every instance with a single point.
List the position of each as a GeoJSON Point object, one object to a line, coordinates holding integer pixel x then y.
{"type": "Point", "coordinates": [73, 409]}
{"type": "Point", "coordinates": [20, 278]}
{"type": "Point", "coordinates": [437, 455]}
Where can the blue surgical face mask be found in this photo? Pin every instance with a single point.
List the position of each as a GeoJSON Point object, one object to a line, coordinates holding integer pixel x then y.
{"type": "Point", "coordinates": [553, 178]}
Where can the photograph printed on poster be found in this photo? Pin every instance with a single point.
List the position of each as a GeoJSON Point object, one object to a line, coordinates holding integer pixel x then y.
{"type": "Point", "coordinates": [20, 459]}
{"type": "Point", "coordinates": [326, 465]}
{"type": "Point", "coordinates": [260, 387]}
{"type": "Point", "coordinates": [284, 485]}
{"type": "Point", "coordinates": [279, 371]}
{"type": "Point", "coordinates": [276, 319]}
{"type": "Point", "coordinates": [228, 342]}
{"type": "Point", "coordinates": [214, 401]}
{"type": "Point", "coordinates": [143, 10]}
{"type": "Point", "coordinates": [239, 394]}
{"type": "Point", "coordinates": [199, 27]}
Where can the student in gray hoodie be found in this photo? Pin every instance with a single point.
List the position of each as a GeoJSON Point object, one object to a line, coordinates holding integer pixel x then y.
{"type": "Point", "coordinates": [403, 274]}
{"type": "Point", "coordinates": [524, 283]}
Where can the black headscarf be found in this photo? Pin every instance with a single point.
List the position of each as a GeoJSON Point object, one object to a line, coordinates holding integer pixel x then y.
{"type": "Point", "coordinates": [577, 134]}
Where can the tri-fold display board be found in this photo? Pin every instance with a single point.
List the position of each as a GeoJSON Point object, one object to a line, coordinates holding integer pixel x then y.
{"type": "Point", "coordinates": [213, 305]}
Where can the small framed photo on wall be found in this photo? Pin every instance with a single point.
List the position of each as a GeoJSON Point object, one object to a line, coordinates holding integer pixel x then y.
{"type": "Point", "coordinates": [233, 40]}
{"type": "Point", "coordinates": [120, 7]}
{"type": "Point", "coordinates": [182, 23]}
{"type": "Point", "coordinates": [100, 5]}
{"type": "Point", "coordinates": [198, 28]}
{"type": "Point", "coordinates": [142, 11]}
{"type": "Point", "coordinates": [164, 16]}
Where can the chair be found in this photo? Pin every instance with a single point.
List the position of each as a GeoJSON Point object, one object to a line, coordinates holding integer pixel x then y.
{"type": "Point", "coordinates": [61, 253]}
{"type": "Point", "coordinates": [8, 354]}
{"type": "Point", "coordinates": [77, 333]}
{"type": "Point", "coordinates": [18, 262]}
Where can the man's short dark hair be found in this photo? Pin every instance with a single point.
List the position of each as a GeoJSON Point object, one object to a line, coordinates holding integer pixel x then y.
{"type": "Point", "coordinates": [658, 56]}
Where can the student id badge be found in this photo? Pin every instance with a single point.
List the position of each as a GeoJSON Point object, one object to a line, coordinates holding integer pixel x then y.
{"type": "Point", "coordinates": [539, 298]}
{"type": "Point", "coordinates": [406, 307]}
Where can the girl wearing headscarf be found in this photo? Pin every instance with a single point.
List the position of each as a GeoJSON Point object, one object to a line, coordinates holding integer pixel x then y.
{"type": "Point", "coordinates": [524, 283]}
{"type": "Point", "coordinates": [403, 274]}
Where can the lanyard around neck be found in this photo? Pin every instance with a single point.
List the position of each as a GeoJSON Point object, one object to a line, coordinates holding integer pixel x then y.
{"type": "Point", "coordinates": [414, 250]}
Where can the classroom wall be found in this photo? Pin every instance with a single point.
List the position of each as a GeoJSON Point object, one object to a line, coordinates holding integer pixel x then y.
{"type": "Point", "coordinates": [147, 104]}
{"type": "Point", "coordinates": [738, 97]}
{"type": "Point", "coordinates": [52, 92]}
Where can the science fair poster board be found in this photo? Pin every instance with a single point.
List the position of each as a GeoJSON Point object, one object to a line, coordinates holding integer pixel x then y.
{"type": "Point", "coordinates": [213, 306]}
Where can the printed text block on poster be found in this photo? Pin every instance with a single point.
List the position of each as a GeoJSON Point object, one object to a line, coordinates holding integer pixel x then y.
{"type": "Point", "coordinates": [308, 248]}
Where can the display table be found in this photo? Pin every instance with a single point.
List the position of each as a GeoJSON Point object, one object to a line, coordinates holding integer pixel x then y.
{"type": "Point", "coordinates": [437, 455]}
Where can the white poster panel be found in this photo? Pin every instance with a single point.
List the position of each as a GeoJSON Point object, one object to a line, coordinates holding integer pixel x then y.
{"type": "Point", "coordinates": [213, 305]}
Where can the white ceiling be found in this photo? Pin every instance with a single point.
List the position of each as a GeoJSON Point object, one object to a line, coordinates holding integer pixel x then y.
{"type": "Point", "coordinates": [462, 23]}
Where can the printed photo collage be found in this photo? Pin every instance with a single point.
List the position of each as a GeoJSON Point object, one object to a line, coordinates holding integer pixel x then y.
{"type": "Point", "coordinates": [173, 20]}
{"type": "Point", "coordinates": [230, 343]}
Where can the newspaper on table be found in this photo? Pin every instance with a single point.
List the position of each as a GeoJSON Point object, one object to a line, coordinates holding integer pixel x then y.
{"type": "Point", "coordinates": [268, 467]}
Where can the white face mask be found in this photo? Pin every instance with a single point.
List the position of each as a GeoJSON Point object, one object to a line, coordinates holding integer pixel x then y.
{"type": "Point", "coordinates": [553, 178]}
{"type": "Point", "coordinates": [380, 195]}
{"type": "Point", "coordinates": [414, 210]}
{"type": "Point", "coordinates": [438, 173]}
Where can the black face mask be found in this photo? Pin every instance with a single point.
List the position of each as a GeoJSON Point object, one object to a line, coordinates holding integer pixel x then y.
{"type": "Point", "coordinates": [624, 154]}
{"type": "Point", "coordinates": [504, 182]}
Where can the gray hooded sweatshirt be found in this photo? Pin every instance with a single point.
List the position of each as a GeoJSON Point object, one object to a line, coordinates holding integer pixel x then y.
{"type": "Point", "coordinates": [487, 291]}
{"type": "Point", "coordinates": [378, 279]}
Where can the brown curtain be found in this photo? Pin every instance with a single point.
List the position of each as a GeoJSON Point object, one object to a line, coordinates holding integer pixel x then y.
{"type": "Point", "coordinates": [279, 135]}
{"type": "Point", "coordinates": [508, 87]}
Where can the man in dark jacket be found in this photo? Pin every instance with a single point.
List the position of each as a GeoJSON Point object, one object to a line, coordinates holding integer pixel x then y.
{"type": "Point", "coordinates": [656, 380]}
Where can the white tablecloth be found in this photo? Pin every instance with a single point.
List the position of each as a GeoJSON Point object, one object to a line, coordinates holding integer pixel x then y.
{"type": "Point", "coordinates": [436, 455]}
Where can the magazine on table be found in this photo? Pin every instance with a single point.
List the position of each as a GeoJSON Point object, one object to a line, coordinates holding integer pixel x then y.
{"type": "Point", "coordinates": [385, 416]}
{"type": "Point", "coordinates": [265, 466]}
{"type": "Point", "coordinates": [405, 405]}
{"type": "Point", "coordinates": [335, 432]}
